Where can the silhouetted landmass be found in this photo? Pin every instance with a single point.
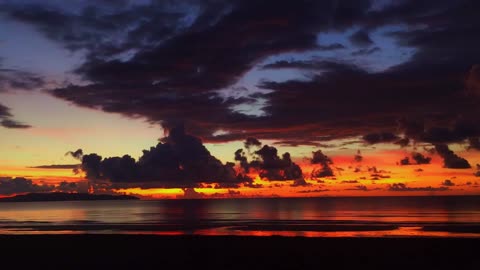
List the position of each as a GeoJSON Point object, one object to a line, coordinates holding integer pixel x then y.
{"type": "Point", "coordinates": [64, 196]}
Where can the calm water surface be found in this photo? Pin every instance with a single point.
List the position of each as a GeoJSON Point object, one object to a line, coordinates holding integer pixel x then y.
{"type": "Point", "coordinates": [315, 217]}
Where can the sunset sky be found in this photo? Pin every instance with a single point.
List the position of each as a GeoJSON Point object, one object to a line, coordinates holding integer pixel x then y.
{"type": "Point", "coordinates": [367, 98]}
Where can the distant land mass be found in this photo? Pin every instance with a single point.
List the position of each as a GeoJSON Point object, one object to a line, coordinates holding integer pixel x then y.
{"type": "Point", "coordinates": [63, 196]}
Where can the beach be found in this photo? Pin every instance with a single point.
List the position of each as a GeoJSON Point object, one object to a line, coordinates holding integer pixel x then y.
{"type": "Point", "coordinates": [113, 251]}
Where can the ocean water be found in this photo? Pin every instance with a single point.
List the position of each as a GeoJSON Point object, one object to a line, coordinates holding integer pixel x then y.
{"type": "Point", "coordinates": [452, 216]}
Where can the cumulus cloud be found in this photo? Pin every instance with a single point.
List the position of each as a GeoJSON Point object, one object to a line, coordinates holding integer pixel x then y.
{"type": "Point", "coordinates": [450, 159]}
{"type": "Point", "coordinates": [267, 162]}
{"type": "Point", "coordinates": [448, 183]}
{"type": "Point", "coordinates": [181, 160]}
{"type": "Point", "coordinates": [404, 187]}
{"type": "Point", "coordinates": [318, 158]}
{"type": "Point", "coordinates": [418, 158]}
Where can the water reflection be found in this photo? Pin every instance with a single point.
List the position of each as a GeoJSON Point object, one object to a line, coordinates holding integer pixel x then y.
{"type": "Point", "coordinates": [311, 217]}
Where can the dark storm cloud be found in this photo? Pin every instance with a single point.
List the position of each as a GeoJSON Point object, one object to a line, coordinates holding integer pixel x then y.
{"type": "Point", "coordinates": [94, 26]}
{"type": "Point", "coordinates": [420, 88]}
{"type": "Point", "coordinates": [450, 159]}
{"type": "Point", "coordinates": [404, 187]}
{"type": "Point", "coordinates": [180, 160]}
{"type": "Point", "coordinates": [318, 158]}
{"type": "Point", "coordinates": [448, 183]}
{"type": "Point", "coordinates": [177, 62]}
{"type": "Point", "coordinates": [178, 51]}
{"type": "Point", "coordinates": [361, 38]}
{"type": "Point", "coordinates": [11, 186]}
{"type": "Point", "coordinates": [384, 137]}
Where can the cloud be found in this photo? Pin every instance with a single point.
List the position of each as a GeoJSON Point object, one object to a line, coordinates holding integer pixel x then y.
{"type": "Point", "coordinates": [313, 190]}
{"type": "Point", "coordinates": [161, 68]}
{"type": "Point", "coordinates": [300, 183]}
{"type": "Point", "coordinates": [474, 143]}
{"type": "Point", "coordinates": [361, 39]}
{"type": "Point", "coordinates": [9, 123]}
{"type": "Point", "coordinates": [361, 188]}
{"type": "Point", "coordinates": [180, 161]}
{"type": "Point", "coordinates": [12, 80]}
{"type": "Point", "coordinates": [331, 47]}
{"type": "Point", "coordinates": [477, 173]}
{"type": "Point", "coordinates": [68, 186]}
{"type": "Point", "coordinates": [376, 174]}
{"type": "Point", "coordinates": [358, 157]}
{"type": "Point", "coordinates": [318, 158]}
{"type": "Point", "coordinates": [366, 51]}
{"type": "Point", "coordinates": [472, 81]}
{"type": "Point", "coordinates": [384, 137]}
{"type": "Point", "coordinates": [421, 159]}
{"type": "Point", "coordinates": [448, 183]}
{"type": "Point", "coordinates": [349, 182]}
{"type": "Point", "coordinates": [57, 166]}
{"type": "Point", "coordinates": [252, 142]}
{"type": "Point", "coordinates": [418, 158]}
{"type": "Point", "coordinates": [450, 159]}
{"type": "Point", "coordinates": [404, 187]}
{"type": "Point", "coordinates": [18, 185]}
{"type": "Point", "coordinates": [268, 163]}
{"type": "Point", "coordinates": [77, 154]}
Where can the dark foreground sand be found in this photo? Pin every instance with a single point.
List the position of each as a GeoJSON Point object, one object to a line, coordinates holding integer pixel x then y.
{"type": "Point", "coordinates": [220, 252]}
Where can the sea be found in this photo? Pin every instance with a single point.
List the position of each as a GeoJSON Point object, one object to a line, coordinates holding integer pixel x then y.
{"type": "Point", "coordinates": [440, 216]}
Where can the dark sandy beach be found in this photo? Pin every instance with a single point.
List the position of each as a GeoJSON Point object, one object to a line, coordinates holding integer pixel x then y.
{"type": "Point", "coordinates": [230, 252]}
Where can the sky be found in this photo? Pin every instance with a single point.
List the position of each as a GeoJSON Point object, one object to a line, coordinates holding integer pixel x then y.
{"type": "Point", "coordinates": [220, 99]}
